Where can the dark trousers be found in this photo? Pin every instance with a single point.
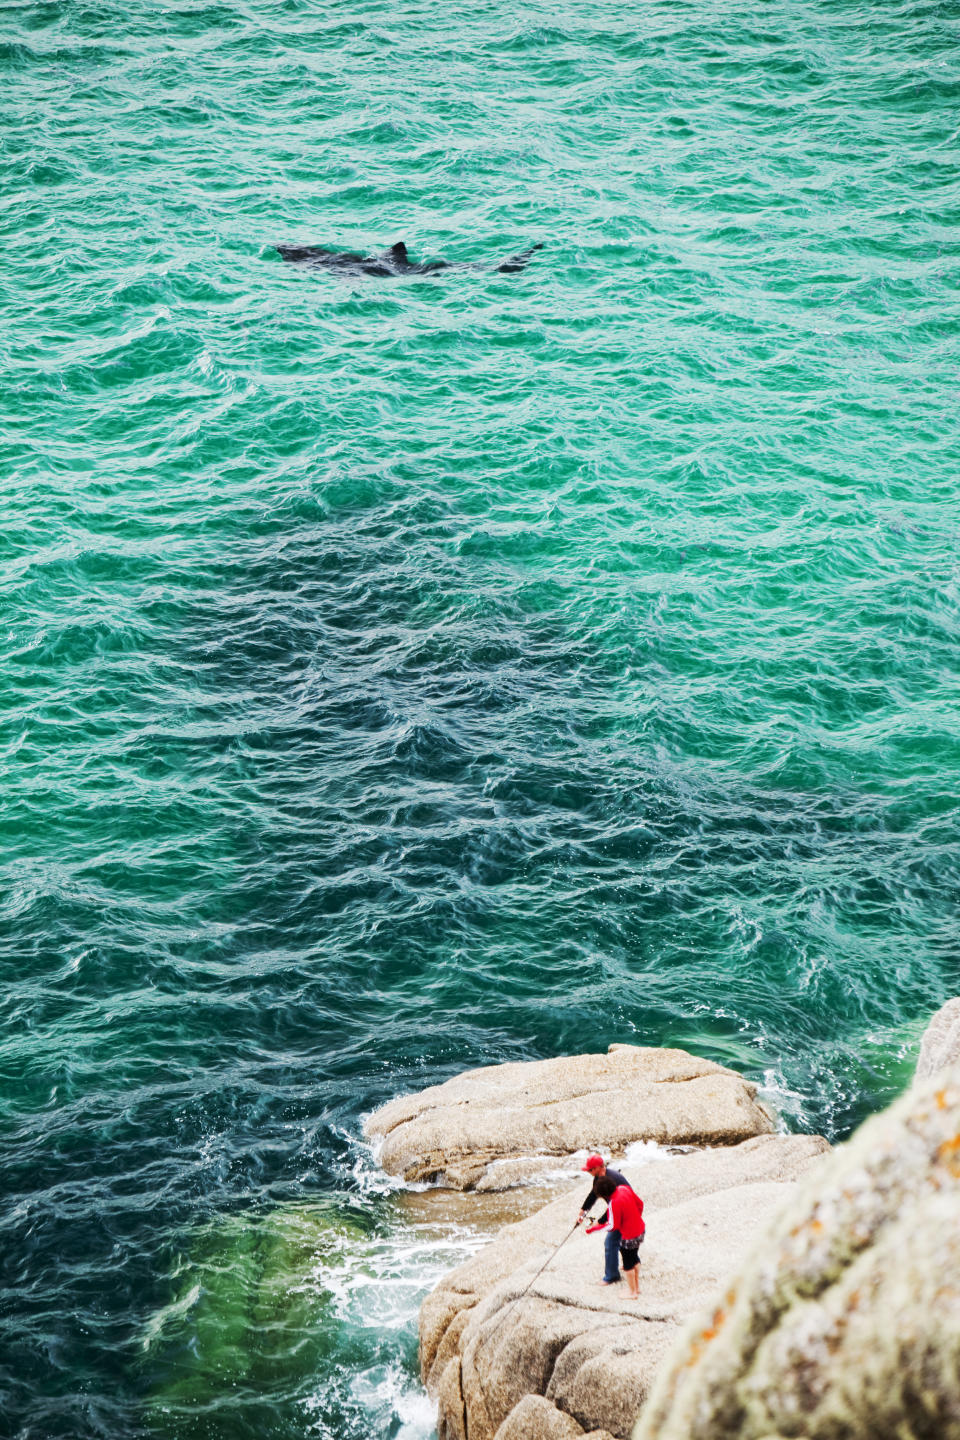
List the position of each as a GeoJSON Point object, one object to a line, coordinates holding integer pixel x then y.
{"type": "Point", "coordinates": [611, 1255]}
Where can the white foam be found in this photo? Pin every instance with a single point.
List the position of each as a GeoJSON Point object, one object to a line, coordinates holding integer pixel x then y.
{"type": "Point", "coordinates": [385, 1391]}
{"type": "Point", "coordinates": [366, 1170]}
{"type": "Point", "coordinates": [372, 1286]}
{"type": "Point", "coordinates": [641, 1152]}
{"type": "Point", "coordinates": [785, 1102]}
{"type": "Point", "coordinates": [377, 1283]}
{"type": "Point", "coordinates": [393, 1404]}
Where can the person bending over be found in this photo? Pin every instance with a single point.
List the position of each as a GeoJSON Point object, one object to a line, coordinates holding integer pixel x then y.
{"type": "Point", "coordinates": [626, 1217]}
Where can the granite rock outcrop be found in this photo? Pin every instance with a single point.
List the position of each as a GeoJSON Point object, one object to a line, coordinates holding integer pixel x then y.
{"type": "Point", "coordinates": [845, 1319]}
{"type": "Point", "coordinates": [463, 1132]}
{"type": "Point", "coordinates": [940, 1045]}
{"type": "Point", "coordinates": [571, 1357]}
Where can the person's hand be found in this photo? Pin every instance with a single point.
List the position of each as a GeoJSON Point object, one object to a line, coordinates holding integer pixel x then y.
{"type": "Point", "coordinates": [581, 1217]}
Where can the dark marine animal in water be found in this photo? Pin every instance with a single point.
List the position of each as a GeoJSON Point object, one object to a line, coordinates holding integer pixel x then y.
{"type": "Point", "coordinates": [394, 261]}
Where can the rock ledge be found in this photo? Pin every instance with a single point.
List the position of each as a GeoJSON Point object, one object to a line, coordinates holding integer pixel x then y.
{"type": "Point", "coordinates": [573, 1357]}
{"type": "Point", "coordinates": [457, 1133]}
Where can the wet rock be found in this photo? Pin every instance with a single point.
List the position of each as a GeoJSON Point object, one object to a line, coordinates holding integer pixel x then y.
{"type": "Point", "coordinates": [458, 1132]}
{"type": "Point", "coordinates": [511, 1174]}
{"type": "Point", "coordinates": [588, 1351]}
{"type": "Point", "coordinates": [845, 1318]}
{"type": "Point", "coordinates": [941, 1041]}
{"type": "Point", "coordinates": [485, 1212]}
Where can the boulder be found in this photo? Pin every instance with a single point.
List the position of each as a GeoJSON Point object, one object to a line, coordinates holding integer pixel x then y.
{"type": "Point", "coordinates": [845, 1319]}
{"type": "Point", "coordinates": [572, 1357]}
{"type": "Point", "coordinates": [537, 1419]}
{"type": "Point", "coordinates": [940, 1045]}
{"type": "Point", "coordinates": [457, 1133]}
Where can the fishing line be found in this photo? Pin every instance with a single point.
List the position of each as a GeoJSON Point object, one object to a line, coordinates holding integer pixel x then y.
{"type": "Point", "coordinates": [552, 1256]}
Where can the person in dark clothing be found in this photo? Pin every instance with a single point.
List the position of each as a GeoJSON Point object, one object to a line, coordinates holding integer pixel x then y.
{"type": "Point", "coordinates": [605, 1181]}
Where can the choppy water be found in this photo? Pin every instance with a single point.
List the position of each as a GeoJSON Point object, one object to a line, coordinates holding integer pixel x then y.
{"type": "Point", "coordinates": [400, 676]}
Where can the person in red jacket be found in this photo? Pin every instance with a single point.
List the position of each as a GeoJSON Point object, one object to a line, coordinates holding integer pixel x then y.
{"type": "Point", "coordinates": [626, 1215]}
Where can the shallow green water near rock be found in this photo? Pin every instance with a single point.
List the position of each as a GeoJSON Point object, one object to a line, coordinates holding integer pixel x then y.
{"type": "Point", "coordinates": [405, 675]}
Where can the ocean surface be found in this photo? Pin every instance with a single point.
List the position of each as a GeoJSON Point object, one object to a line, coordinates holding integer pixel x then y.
{"type": "Point", "coordinates": [404, 675]}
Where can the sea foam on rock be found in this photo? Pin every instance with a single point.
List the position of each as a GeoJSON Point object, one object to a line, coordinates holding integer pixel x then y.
{"type": "Point", "coordinates": [459, 1133]}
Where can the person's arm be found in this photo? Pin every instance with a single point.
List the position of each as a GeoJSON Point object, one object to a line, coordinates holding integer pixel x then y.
{"type": "Point", "coordinates": [587, 1205]}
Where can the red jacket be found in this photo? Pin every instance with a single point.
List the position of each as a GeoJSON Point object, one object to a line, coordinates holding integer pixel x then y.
{"type": "Point", "coordinates": [626, 1212]}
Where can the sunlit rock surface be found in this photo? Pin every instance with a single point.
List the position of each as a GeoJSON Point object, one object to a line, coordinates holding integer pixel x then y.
{"type": "Point", "coordinates": [845, 1320]}
{"type": "Point", "coordinates": [587, 1351]}
{"type": "Point", "coordinates": [459, 1133]}
{"type": "Point", "coordinates": [941, 1041]}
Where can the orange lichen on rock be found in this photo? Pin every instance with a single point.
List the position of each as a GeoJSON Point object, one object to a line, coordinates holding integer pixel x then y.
{"type": "Point", "coordinates": [949, 1153]}
{"type": "Point", "coordinates": [847, 1320]}
{"type": "Point", "coordinates": [713, 1330]}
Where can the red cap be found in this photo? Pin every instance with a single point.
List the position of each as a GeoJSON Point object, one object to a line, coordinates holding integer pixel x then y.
{"type": "Point", "coordinates": [594, 1162]}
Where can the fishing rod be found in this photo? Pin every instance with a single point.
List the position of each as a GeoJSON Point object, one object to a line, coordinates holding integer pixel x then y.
{"type": "Point", "coordinates": [483, 1338]}
{"type": "Point", "coordinates": [498, 1320]}
{"type": "Point", "coordinates": [517, 1298]}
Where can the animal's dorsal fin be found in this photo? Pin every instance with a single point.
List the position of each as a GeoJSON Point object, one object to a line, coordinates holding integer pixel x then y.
{"type": "Point", "coordinates": [398, 252]}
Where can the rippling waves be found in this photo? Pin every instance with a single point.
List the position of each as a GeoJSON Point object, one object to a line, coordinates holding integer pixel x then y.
{"type": "Point", "coordinates": [404, 675]}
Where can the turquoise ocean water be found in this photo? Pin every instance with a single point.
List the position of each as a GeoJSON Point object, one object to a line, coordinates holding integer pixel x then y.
{"type": "Point", "coordinates": [404, 675]}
